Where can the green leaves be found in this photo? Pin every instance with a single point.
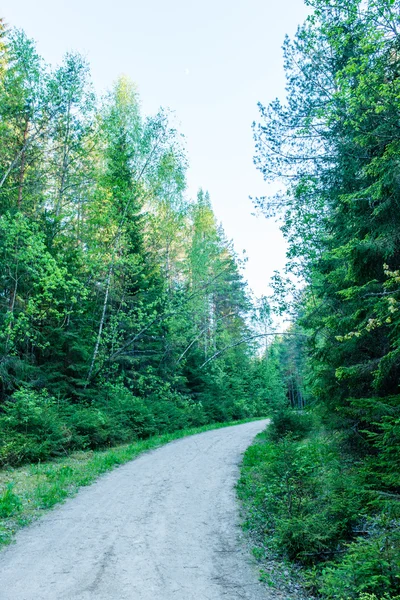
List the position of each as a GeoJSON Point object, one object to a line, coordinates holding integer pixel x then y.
{"type": "Point", "coordinates": [39, 291]}
{"type": "Point", "coordinates": [114, 287]}
{"type": "Point", "coordinates": [334, 148]}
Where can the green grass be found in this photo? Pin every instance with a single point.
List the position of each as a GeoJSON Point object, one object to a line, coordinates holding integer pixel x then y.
{"type": "Point", "coordinates": [27, 492]}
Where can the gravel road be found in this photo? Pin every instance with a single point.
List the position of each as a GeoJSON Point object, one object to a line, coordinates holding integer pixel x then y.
{"type": "Point", "coordinates": [162, 527]}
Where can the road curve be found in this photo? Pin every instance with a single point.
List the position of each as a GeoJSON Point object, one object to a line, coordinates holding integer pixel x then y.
{"type": "Point", "coordinates": [162, 527]}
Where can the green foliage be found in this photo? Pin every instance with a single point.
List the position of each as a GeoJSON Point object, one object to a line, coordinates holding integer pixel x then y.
{"type": "Point", "coordinates": [370, 565]}
{"type": "Point", "coordinates": [35, 426]}
{"type": "Point", "coordinates": [334, 148]}
{"type": "Point", "coordinates": [300, 500]}
{"type": "Point", "coordinates": [123, 312]}
{"type": "Point", "coordinates": [31, 428]}
{"type": "Point", "coordinates": [287, 422]}
{"type": "Point", "coordinates": [337, 158]}
{"type": "Point", "coordinates": [374, 597]}
{"type": "Point", "coordinates": [306, 500]}
{"type": "Point", "coordinates": [9, 502]}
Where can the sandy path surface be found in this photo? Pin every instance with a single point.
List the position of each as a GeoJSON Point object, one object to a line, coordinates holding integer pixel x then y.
{"type": "Point", "coordinates": [162, 527]}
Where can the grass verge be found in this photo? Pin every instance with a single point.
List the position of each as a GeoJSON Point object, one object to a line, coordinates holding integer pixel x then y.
{"type": "Point", "coordinates": [27, 492]}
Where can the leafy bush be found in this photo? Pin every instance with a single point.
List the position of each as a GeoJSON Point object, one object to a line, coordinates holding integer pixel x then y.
{"type": "Point", "coordinates": [374, 597]}
{"type": "Point", "coordinates": [35, 426]}
{"type": "Point", "coordinates": [301, 500]}
{"type": "Point", "coordinates": [286, 421]}
{"type": "Point", "coordinates": [91, 426]}
{"type": "Point", "coordinates": [194, 412]}
{"type": "Point", "coordinates": [131, 417]}
{"type": "Point", "coordinates": [370, 567]}
{"type": "Point", "coordinates": [31, 428]}
{"type": "Point", "coordinates": [9, 502]}
{"type": "Point", "coordinates": [305, 501]}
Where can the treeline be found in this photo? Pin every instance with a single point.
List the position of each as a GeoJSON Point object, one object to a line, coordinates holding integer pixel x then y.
{"type": "Point", "coordinates": [325, 486]}
{"type": "Point", "coordinates": [116, 292]}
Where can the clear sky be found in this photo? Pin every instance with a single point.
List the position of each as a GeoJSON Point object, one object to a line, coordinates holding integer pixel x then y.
{"type": "Point", "coordinates": [210, 61]}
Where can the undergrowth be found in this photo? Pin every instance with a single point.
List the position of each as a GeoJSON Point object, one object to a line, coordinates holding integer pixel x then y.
{"type": "Point", "coordinates": [306, 502]}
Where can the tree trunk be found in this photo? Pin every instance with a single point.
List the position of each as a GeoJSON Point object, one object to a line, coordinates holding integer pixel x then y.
{"type": "Point", "coordinates": [23, 163]}
{"type": "Point", "coordinates": [101, 325]}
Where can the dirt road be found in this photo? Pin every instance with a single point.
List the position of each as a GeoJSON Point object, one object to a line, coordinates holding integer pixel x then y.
{"type": "Point", "coordinates": [162, 527]}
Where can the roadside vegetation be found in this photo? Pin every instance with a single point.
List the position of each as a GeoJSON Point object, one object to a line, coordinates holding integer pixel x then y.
{"type": "Point", "coordinates": [308, 503]}
{"type": "Point", "coordinates": [322, 486]}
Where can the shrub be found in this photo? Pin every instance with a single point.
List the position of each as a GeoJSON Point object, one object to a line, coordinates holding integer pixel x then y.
{"type": "Point", "coordinates": [286, 421]}
{"type": "Point", "coordinates": [91, 426]}
{"type": "Point", "coordinates": [9, 502]}
{"type": "Point", "coordinates": [302, 501]}
{"type": "Point", "coordinates": [32, 428]}
{"type": "Point", "coordinates": [370, 567]}
{"type": "Point", "coordinates": [131, 417]}
{"type": "Point", "coordinates": [306, 501]}
{"type": "Point", "coordinates": [374, 597]}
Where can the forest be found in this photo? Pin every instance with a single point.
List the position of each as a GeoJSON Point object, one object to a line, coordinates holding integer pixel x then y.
{"type": "Point", "coordinates": [123, 310]}
{"type": "Point", "coordinates": [323, 486]}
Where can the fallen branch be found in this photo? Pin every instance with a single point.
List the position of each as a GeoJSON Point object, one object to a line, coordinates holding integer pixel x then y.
{"type": "Point", "coordinates": [247, 339]}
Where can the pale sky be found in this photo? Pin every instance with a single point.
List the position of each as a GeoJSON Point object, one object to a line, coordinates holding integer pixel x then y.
{"type": "Point", "coordinates": [209, 61]}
